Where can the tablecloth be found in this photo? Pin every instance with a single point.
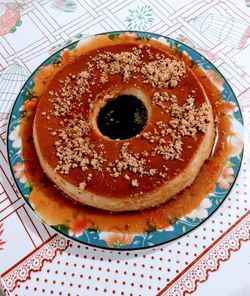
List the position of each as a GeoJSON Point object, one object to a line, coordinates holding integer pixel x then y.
{"type": "Point", "coordinates": [34, 260]}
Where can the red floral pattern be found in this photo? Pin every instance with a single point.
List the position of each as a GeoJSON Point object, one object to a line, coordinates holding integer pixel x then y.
{"type": "Point", "coordinates": [10, 15]}
{"type": "Point", "coordinates": [19, 169]}
{"type": "Point", "coordinates": [1, 241]}
{"type": "Point", "coordinates": [117, 239]}
{"type": "Point", "coordinates": [226, 178]}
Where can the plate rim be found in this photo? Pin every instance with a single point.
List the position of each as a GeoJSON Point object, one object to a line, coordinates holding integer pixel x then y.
{"type": "Point", "coordinates": [123, 247]}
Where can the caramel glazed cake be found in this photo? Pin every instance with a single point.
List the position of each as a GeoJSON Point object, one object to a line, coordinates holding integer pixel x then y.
{"type": "Point", "coordinates": [122, 124]}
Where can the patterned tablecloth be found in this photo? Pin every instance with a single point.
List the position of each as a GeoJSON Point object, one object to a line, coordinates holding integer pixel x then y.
{"type": "Point", "coordinates": [34, 260]}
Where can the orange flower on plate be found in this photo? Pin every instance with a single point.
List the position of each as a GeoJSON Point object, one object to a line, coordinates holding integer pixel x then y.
{"type": "Point", "coordinates": [160, 221]}
{"type": "Point", "coordinates": [237, 144]}
{"type": "Point", "coordinates": [15, 137]}
{"type": "Point", "coordinates": [116, 239]}
{"type": "Point", "coordinates": [130, 34]}
{"type": "Point", "coordinates": [78, 227]}
{"type": "Point", "coordinates": [229, 107]}
{"type": "Point", "coordinates": [226, 178]}
{"type": "Point", "coordinates": [42, 75]}
{"type": "Point", "coordinates": [19, 172]}
{"type": "Point", "coordinates": [67, 56]}
{"type": "Point", "coordinates": [217, 80]}
{"type": "Point", "coordinates": [29, 105]}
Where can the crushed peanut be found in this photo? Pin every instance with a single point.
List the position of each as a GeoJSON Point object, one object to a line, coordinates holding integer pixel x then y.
{"type": "Point", "coordinates": [75, 149]}
{"type": "Point", "coordinates": [163, 72]}
{"type": "Point", "coordinates": [188, 119]}
{"type": "Point", "coordinates": [124, 63]}
{"type": "Point", "coordinates": [73, 87]}
{"type": "Point", "coordinates": [135, 183]}
{"type": "Point", "coordinates": [132, 162]}
{"type": "Point", "coordinates": [160, 99]}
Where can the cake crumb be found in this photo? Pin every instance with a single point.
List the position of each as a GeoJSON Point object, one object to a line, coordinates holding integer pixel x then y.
{"type": "Point", "coordinates": [82, 185]}
{"type": "Point", "coordinates": [126, 177]}
{"type": "Point", "coordinates": [135, 183]}
{"type": "Point", "coordinates": [163, 72]}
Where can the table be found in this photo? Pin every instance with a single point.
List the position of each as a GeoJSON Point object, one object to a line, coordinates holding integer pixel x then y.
{"type": "Point", "coordinates": [34, 260]}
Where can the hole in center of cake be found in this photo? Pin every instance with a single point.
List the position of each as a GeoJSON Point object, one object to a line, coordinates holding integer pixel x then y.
{"type": "Point", "coordinates": [122, 118]}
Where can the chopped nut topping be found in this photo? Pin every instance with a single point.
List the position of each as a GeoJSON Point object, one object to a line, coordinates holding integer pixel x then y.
{"type": "Point", "coordinates": [70, 93]}
{"type": "Point", "coordinates": [160, 99]}
{"type": "Point", "coordinates": [163, 72]}
{"type": "Point", "coordinates": [133, 162]}
{"type": "Point", "coordinates": [135, 183]}
{"type": "Point", "coordinates": [75, 149]}
{"type": "Point", "coordinates": [172, 150]}
{"type": "Point", "coordinates": [126, 177]}
{"type": "Point", "coordinates": [82, 185]}
{"type": "Point", "coordinates": [125, 63]}
{"type": "Point", "coordinates": [128, 161]}
{"type": "Point", "coordinates": [188, 119]}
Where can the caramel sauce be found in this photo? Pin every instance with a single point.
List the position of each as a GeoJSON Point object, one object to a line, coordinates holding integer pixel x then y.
{"type": "Point", "coordinates": [102, 183]}
{"type": "Point", "coordinates": [54, 208]}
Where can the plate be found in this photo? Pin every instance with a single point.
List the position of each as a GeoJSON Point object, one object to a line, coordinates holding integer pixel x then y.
{"type": "Point", "coordinates": [208, 206]}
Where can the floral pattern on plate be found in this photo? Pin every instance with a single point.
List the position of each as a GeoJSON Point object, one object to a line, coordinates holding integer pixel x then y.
{"type": "Point", "coordinates": [109, 240]}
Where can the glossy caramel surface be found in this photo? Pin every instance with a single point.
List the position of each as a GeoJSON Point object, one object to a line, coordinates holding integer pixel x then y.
{"type": "Point", "coordinates": [54, 208]}
{"type": "Point", "coordinates": [102, 183]}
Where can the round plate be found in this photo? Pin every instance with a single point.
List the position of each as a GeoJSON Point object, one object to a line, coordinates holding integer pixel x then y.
{"type": "Point", "coordinates": [182, 226]}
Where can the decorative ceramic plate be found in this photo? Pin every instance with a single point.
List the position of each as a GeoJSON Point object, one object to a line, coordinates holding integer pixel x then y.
{"type": "Point", "coordinates": [180, 227]}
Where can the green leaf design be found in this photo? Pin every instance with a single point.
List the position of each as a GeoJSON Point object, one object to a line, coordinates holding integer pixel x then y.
{"type": "Point", "coordinates": [29, 94]}
{"type": "Point", "coordinates": [26, 185]}
{"type": "Point", "coordinates": [117, 244]}
{"type": "Point", "coordinates": [183, 228]}
{"type": "Point", "coordinates": [230, 164]}
{"type": "Point", "coordinates": [63, 228]}
{"type": "Point", "coordinates": [12, 30]}
{"type": "Point", "coordinates": [18, 23]}
{"type": "Point", "coordinates": [140, 17]}
{"type": "Point", "coordinates": [79, 35]}
{"type": "Point", "coordinates": [217, 201]}
{"type": "Point", "coordinates": [112, 36]}
{"type": "Point", "coordinates": [68, 41]}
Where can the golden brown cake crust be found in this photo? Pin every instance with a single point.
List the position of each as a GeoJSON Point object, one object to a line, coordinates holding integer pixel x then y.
{"type": "Point", "coordinates": [131, 174]}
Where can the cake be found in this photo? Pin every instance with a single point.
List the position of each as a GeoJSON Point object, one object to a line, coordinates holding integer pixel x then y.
{"type": "Point", "coordinates": [122, 124]}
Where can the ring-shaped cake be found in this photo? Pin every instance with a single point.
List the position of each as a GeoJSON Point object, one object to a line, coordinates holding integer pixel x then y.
{"type": "Point", "coordinates": [122, 124]}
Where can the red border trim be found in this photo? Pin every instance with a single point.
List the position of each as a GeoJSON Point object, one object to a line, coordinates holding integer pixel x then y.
{"type": "Point", "coordinates": [12, 274]}
{"type": "Point", "coordinates": [27, 256]}
{"type": "Point", "coordinates": [202, 255]}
